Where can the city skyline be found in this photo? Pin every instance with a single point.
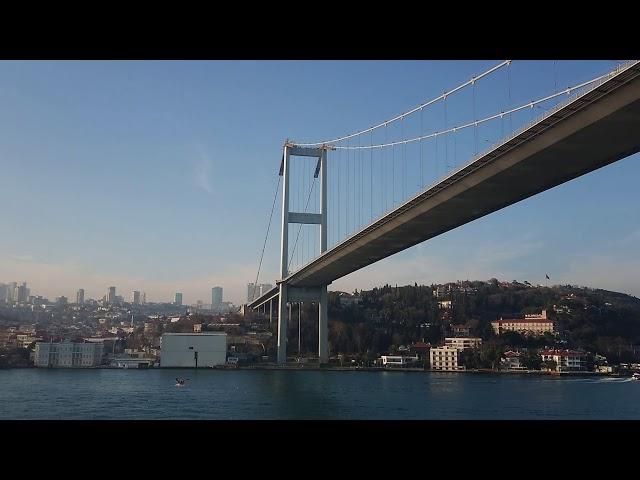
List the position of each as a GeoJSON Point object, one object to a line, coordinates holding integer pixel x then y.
{"type": "Point", "coordinates": [204, 161]}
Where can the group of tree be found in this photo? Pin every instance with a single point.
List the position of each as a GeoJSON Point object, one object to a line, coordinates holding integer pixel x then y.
{"type": "Point", "coordinates": [390, 316]}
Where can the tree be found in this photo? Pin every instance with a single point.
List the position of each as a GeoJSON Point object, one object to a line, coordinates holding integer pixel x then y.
{"type": "Point", "coordinates": [550, 365]}
{"type": "Point", "coordinates": [531, 360]}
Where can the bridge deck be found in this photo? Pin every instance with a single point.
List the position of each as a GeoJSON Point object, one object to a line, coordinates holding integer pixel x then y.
{"type": "Point", "coordinates": [594, 130]}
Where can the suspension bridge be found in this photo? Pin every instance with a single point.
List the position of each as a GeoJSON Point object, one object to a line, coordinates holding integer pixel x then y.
{"type": "Point", "coordinates": [388, 187]}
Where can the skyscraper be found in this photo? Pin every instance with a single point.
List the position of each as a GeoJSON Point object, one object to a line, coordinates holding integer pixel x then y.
{"type": "Point", "coordinates": [136, 297]}
{"type": "Point", "coordinates": [111, 295]}
{"type": "Point", "coordinates": [178, 299]}
{"type": "Point", "coordinates": [12, 292]}
{"type": "Point", "coordinates": [144, 298]}
{"type": "Point", "coordinates": [22, 293]}
{"type": "Point", "coordinates": [216, 296]}
{"type": "Point", "coordinates": [80, 297]}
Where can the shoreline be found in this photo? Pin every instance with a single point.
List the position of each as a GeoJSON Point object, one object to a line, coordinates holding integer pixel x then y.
{"type": "Point", "coordinates": [294, 367]}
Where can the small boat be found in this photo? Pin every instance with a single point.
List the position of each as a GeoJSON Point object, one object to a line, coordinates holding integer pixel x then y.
{"type": "Point", "coordinates": [635, 376]}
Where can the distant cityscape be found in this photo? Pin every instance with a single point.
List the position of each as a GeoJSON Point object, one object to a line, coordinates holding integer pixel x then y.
{"type": "Point", "coordinates": [463, 326]}
{"type": "Point", "coordinates": [18, 294]}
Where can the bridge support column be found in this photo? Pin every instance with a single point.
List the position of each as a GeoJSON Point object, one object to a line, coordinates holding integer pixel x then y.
{"type": "Point", "coordinates": [323, 331]}
{"type": "Point", "coordinates": [282, 323]}
{"type": "Point", "coordinates": [270, 311]}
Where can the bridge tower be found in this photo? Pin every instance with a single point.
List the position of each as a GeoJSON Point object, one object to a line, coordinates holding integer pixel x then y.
{"type": "Point", "coordinates": [288, 293]}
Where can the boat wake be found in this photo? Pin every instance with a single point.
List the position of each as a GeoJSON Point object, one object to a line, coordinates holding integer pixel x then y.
{"type": "Point", "coordinates": [614, 380]}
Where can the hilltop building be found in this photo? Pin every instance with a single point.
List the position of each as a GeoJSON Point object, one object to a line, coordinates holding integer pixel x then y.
{"type": "Point", "coordinates": [533, 324]}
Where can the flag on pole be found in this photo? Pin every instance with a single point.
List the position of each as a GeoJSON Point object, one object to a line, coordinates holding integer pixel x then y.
{"type": "Point", "coordinates": [547, 277]}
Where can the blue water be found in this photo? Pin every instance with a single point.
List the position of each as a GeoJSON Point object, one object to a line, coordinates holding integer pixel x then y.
{"type": "Point", "coordinates": [270, 394]}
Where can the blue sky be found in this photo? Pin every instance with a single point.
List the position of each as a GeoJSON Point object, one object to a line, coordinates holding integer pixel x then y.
{"type": "Point", "coordinates": [159, 176]}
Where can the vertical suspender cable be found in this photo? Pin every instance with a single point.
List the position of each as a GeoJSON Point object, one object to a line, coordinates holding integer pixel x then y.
{"type": "Point", "coordinates": [384, 171]}
{"type": "Point", "coordinates": [437, 160]}
{"type": "Point", "coordinates": [509, 88]}
{"type": "Point", "coordinates": [475, 126]}
{"type": "Point", "coordinates": [404, 162]}
{"type": "Point", "coordinates": [347, 196]}
{"type": "Point", "coordinates": [446, 138]}
{"type": "Point", "coordinates": [339, 174]}
{"type": "Point", "coordinates": [359, 179]}
{"type": "Point", "coordinates": [421, 133]}
{"type": "Point", "coordinates": [393, 189]}
{"type": "Point", "coordinates": [371, 177]}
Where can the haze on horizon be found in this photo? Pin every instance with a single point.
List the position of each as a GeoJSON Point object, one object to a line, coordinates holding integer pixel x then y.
{"type": "Point", "coordinates": [159, 177]}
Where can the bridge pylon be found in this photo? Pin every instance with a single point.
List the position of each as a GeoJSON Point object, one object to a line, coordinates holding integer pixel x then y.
{"type": "Point", "coordinates": [290, 293]}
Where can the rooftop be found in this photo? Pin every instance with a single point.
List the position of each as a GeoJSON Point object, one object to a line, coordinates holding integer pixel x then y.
{"type": "Point", "coordinates": [523, 320]}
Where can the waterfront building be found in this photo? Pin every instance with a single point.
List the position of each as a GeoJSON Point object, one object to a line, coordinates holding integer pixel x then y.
{"type": "Point", "coordinates": [80, 296]}
{"type": "Point", "coordinates": [198, 350]}
{"type": "Point", "coordinates": [68, 354]}
{"type": "Point", "coordinates": [533, 324]}
{"type": "Point", "coordinates": [398, 360]}
{"type": "Point", "coordinates": [565, 360]}
{"type": "Point", "coordinates": [127, 361]}
{"type": "Point", "coordinates": [445, 359]}
{"type": "Point", "coordinates": [216, 296]}
{"type": "Point", "coordinates": [462, 343]}
{"type": "Point", "coordinates": [511, 361]}
{"type": "Point", "coordinates": [421, 349]}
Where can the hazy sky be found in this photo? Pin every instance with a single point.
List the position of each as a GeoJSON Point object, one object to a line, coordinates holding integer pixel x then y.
{"type": "Point", "coordinates": [159, 176]}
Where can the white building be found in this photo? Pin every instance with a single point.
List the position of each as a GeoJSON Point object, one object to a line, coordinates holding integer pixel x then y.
{"type": "Point", "coordinates": [565, 360]}
{"type": "Point", "coordinates": [531, 324]}
{"type": "Point", "coordinates": [132, 362]}
{"type": "Point", "coordinates": [463, 342]}
{"type": "Point", "coordinates": [511, 361]}
{"type": "Point", "coordinates": [445, 358]}
{"type": "Point", "coordinates": [193, 349]}
{"type": "Point", "coordinates": [68, 354]}
{"type": "Point", "coordinates": [398, 360]}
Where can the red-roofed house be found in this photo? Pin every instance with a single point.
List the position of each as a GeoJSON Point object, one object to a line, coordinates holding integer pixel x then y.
{"type": "Point", "coordinates": [511, 361]}
{"type": "Point", "coordinates": [421, 349]}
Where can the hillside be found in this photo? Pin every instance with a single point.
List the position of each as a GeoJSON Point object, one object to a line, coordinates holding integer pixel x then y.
{"type": "Point", "coordinates": [380, 320]}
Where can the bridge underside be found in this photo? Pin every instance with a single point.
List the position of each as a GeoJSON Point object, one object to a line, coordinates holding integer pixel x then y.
{"type": "Point", "coordinates": [594, 130]}
{"type": "Point", "coordinates": [552, 152]}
